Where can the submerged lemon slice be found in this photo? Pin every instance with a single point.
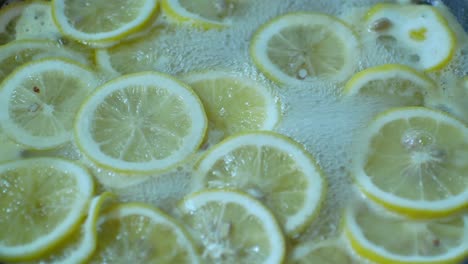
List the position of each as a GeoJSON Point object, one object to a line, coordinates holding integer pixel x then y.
{"type": "Point", "coordinates": [397, 81]}
{"type": "Point", "coordinates": [297, 47]}
{"type": "Point", "coordinates": [420, 30]}
{"type": "Point", "coordinates": [201, 13]}
{"type": "Point", "coordinates": [330, 251]}
{"type": "Point", "coordinates": [39, 100]}
{"type": "Point", "coordinates": [270, 167]}
{"type": "Point", "coordinates": [387, 238]}
{"type": "Point", "coordinates": [230, 227]}
{"type": "Point", "coordinates": [139, 123]}
{"type": "Point", "coordinates": [414, 160]}
{"type": "Point", "coordinates": [42, 202]}
{"type": "Point", "coordinates": [234, 103]}
{"type": "Point", "coordinates": [137, 232]}
{"type": "Point", "coordinates": [98, 22]}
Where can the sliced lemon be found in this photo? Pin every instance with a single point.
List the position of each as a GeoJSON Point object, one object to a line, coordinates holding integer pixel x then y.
{"type": "Point", "coordinates": [35, 22]}
{"type": "Point", "coordinates": [17, 53]}
{"type": "Point", "coordinates": [140, 54]}
{"type": "Point", "coordinates": [234, 103]}
{"type": "Point", "coordinates": [143, 122]}
{"type": "Point", "coordinates": [8, 16]}
{"type": "Point", "coordinates": [419, 30]}
{"type": "Point", "coordinates": [137, 232]}
{"type": "Point", "coordinates": [272, 168]}
{"type": "Point", "coordinates": [299, 47]}
{"type": "Point", "coordinates": [330, 251]}
{"type": "Point", "coordinates": [97, 22]}
{"type": "Point", "coordinates": [414, 160]}
{"type": "Point", "coordinates": [39, 100]}
{"type": "Point", "coordinates": [387, 238]}
{"type": "Point", "coordinates": [230, 227]}
{"type": "Point", "coordinates": [9, 150]}
{"type": "Point", "coordinates": [79, 246]}
{"type": "Point", "coordinates": [406, 84]}
{"type": "Point", "coordinates": [205, 14]}
{"type": "Point", "coordinates": [42, 202]}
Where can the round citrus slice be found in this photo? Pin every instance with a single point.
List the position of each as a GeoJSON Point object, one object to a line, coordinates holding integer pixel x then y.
{"type": "Point", "coordinates": [230, 227]}
{"type": "Point", "coordinates": [330, 251]}
{"type": "Point", "coordinates": [272, 168]}
{"type": "Point", "coordinates": [35, 22]}
{"type": "Point", "coordinates": [79, 246]}
{"type": "Point", "coordinates": [234, 103]}
{"type": "Point", "coordinates": [38, 101]}
{"type": "Point", "coordinates": [402, 82]}
{"type": "Point", "coordinates": [420, 30]}
{"type": "Point", "coordinates": [298, 47]}
{"type": "Point", "coordinates": [143, 122]}
{"type": "Point", "coordinates": [414, 160]}
{"type": "Point", "coordinates": [9, 150]}
{"type": "Point", "coordinates": [19, 52]}
{"type": "Point", "coordinates": [8, 17]}
{"type": "Point", "coordinates": [203, 13]}
{"type": "Point", "coordinates": [137, 232]}
{"type": "Point", "coordinates": [98, 22]}
{"type": "Point", "coordinates": [42, 201]}
{"type": "Point", "coordinates": [387, 238]}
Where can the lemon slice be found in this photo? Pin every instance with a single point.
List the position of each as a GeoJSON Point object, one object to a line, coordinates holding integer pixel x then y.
{"type": "Point", "coordinates": [330, 251]}
{"type": "Point", "coordinates": [42, 202]}
{"type": "Point", "coordinates": [233, 103]}
{"type": "Point", "coordinates": [9, 150]}
{"type": "Point", "coordinates": [386, 238]}
{"type": "Point", "coordinates": [204, 14]}
{"type": "Point", "coordinates": [298, 47]}
{"type": "Point", "coordinates": [414, 160]}
{"type": "Point", "coordinates": [137, 55]}
{"type": "Point", "coordinates": [392, 80]}
{"type": "Point", "coordinates": [420, 30]}
{"type": "Point", "coordinates": [230, 227]}
{"type": "Point", "coordinates": [137, 232]}
{"type": "Point", "coordinates": [17, 53]}
{"type": "Point", "coordinates": [79, 246]}
{"type": "Point", "coordinates": [38, 101]}
{"type": "Point", "coordinates": [139, 123]}
{"type": "Point", "coordinates": [8, 16]}
{"type": "Point", "coordinates": [270, 167]}
{"type": "Point", "coordinates": [35, 22]}
{"type": "Point", "coordinates": [97, 21]}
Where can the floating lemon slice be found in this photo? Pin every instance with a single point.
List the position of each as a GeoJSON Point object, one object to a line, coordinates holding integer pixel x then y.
{"type": "Point", "coordinates": [270, 167]}
{"type": "Point", "coordinates": [414, 160]}
{"type": "Point", "coordinates": [234, 103]}
{"type": "Point", "coordinates": [202, 13]}
{"type": "Point", "coordinates": [230, 227]}
{"type": "Point", "coordinates": [392, 80]}
{"type": "Point", "coordinates": [143, 122]}
{"type": "Point", "coordinates": [79, 246]}
{"type": "Point", "coordinates": [98, 22]}
{"type": "Point", "coordinates": [137, 232]}
{"type": "Point", "coordinates": [297, 47]}
{"type": "Point", "coordinates": [39, 100]}
{"type": "Point", "coordinates": [42, 202]}
{"type": "Point", "coordinates": [19, 52]}
{"type": "Point", "coordinates": [388, 239]}
{"type": "Point", "coordinates": [330, 251]}
{"type": "Point", "coordinates": [420, 30]}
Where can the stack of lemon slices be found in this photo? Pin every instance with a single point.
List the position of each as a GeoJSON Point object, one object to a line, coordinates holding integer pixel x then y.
{"type": "Point", "coordinates": [85, 77]}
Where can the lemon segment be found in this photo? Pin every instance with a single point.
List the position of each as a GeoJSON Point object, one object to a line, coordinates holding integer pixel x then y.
{"type": "Point", "coordinates": [298, 47]}
{"type": "Point", "coordinates": [39, 100]}
{"type": "Point", "coordinates": [420, 30]}
{"type": "Point", "coordinates": [233, 103]}
{"type": "Point", "coordinates": [42, 201]}
{"type": "Point", "coordinates": [392, 80]}
{"type": "Point", "coordinates": [385, 238]}
{"type": "Point", "coordinates": [205, 14]}
{"type": "Point", "coordinates": [140, 123]}
{"type": "Point", "coordinates": [414, 160]}
{"type": "Point", "coordinates": [98, 22]}
{"type": "Point", "coordinates": [270, 167]}
{"type": "Point", "coordinates": [230, 227]}
{"type": "Point", "coordinates": [133, 231]}
{"type": "Point", "coordinates": [330, 251]}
